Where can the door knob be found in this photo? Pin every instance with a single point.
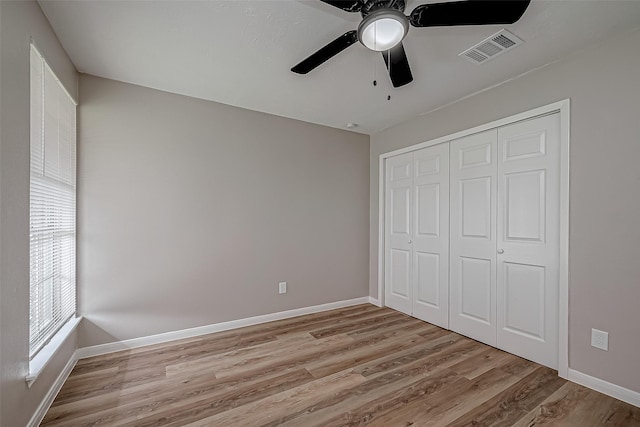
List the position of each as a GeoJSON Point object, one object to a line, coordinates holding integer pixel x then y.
{"type": "Point", "coordinates": [500, 251]}
{"type": "Point", "coordinates": [409, 241]}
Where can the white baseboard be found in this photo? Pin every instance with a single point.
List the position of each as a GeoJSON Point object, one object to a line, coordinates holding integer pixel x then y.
{"type": "Point", "coordinates": [44, 406]}
{"type": "Point", "coordinates": [613, 390]}
{"type": "Point", "coordinates": [375, 301]}
{"type": "Point", "coordinates": [97, 350]}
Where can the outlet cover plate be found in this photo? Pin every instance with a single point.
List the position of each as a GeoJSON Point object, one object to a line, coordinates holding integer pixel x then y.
{"type": "Point", "coordinates": [282, 287]}
{"type": "Point", "coordinates": [600, 339]}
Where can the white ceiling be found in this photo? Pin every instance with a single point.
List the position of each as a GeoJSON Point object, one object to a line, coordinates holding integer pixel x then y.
{"type": "Point", "coordinates": [240, 52]}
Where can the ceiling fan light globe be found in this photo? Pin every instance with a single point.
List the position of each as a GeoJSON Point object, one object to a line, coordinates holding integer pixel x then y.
{"type": "Point", "coordinates": [382, 30]}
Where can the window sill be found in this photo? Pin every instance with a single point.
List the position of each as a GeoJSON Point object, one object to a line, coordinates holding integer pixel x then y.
{"type": "Point", "coordinates": [44, 356]}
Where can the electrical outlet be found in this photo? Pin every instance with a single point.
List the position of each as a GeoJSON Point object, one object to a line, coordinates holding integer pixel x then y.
{"type": "Point", "coordinates": [282, 287]}
{"type": "Point", "coordinates": [600, 339]}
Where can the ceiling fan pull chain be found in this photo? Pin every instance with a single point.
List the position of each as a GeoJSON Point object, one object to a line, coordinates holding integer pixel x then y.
{"type": "Point", "coordinates": [389, 70]}
{"type": "Point", "coordinates": [375, 73]}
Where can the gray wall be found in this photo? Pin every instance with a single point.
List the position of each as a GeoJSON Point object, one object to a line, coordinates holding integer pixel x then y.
{"type": "Point", "coordinates": [604, 285]}
{"type": "Point", "coordinates": [21, 21]}
{"type": "Point", "coordinates": [190, 212]}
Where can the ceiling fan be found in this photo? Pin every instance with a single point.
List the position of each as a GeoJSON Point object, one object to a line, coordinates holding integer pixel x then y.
{"type": "Point", "coordinates": [384, 26]}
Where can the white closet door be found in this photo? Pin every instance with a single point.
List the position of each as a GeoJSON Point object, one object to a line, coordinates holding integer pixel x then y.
{"type": "Point", "coordinates": [528, 239]}
{"type": "Point", "coordinates": [431, 235]}
{"type": "Point", "coordinates": [473, 236]}
{"type": "Point", "coordinates": [398, 221]}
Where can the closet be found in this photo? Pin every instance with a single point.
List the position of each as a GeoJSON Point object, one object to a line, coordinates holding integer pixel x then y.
{"type": "Point", "coordinates": [472, 236]}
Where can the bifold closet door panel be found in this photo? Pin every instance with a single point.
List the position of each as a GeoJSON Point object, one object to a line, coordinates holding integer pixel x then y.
{"type": "Point", "coordinates": [528, 239]}
{"type": "Point", "coordinates": [473, 236]}
{"type": "Point", "coordinates": [398, 232]}
{"type": "Point", "coordinates": [431, 235]}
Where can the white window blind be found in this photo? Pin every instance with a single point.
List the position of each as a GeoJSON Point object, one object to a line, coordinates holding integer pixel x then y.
{"type": "Point", "coordinates": [52, 205]}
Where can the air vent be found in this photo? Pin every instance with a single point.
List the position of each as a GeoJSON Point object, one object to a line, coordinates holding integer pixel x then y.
{"type": "Point", "coordinates": [491, 47]}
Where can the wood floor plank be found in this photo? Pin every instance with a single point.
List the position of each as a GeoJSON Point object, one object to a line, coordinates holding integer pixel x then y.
{"type": "Point", "coordinates": [519, 367]}
{"type": "Point", "coordinates": [359, 365]}
{"type": "Point", "coordinates": [456, 403]}
{"type": "Point", "coordinates": [176, 408]}
{"type": "Point", "coordinates": [385, 377]}
{"type": "Point", "coordinates": [71, 391]}
{"type": "Point", "coordinates": [386, 381]}
{"type": "Point", "coordinates": [390, 317]}
{"type": "Point", "coordinates": [619, 413]}
{"type": "Point", "coordinates": [330, 346]}
{"type": "Point", "coordinates": [397, 341]}
{"type": "Point", "coordinates": [174, 352]}
{"type": "Point", "coordinates": [435, 353]}
{"type": "Point", "coordinates": [246, 355]}
{"type": "Point", "coordinates": [509, 406]}
{"type": "Point", "coordinates": [573, 404]}
{"type": "Point", "coordinates": [344, 404]}
{"type": "Point", "coordinates": [460, 397]}
{"type": "Point", "coordinates": [424, 388]}
{"type": "Point", "coordinates": [483, 362]}
{"type": "Point", "coordinates": [183, 409]}
{"type": "Point", "coordinates": [398, 323]}
{"type": "Point", "coordinates": [354, 326]}
{"type": "Point", "coordinates": [271, 408]}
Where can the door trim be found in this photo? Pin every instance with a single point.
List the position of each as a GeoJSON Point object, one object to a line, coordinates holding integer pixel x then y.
{"type": "Point", "coordinates": [561, 107]}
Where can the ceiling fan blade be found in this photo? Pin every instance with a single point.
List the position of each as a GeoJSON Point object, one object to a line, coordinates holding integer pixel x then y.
{"type": "Point", "coordinates": [398, 66]}
{"type": "Point", "coordinates": [346, 5]}
{"type": "Point", "coordinates": [327, 52]}
{"type": "Point", "coordinates": [470, 12]}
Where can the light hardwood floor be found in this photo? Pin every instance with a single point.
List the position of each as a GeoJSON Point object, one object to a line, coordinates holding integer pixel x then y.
{"type": "Point", "coordinates": [353, 366]}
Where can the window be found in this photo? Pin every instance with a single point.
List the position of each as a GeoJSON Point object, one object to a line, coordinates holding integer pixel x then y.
{"type": "Point", "coordinates": [52, 205]}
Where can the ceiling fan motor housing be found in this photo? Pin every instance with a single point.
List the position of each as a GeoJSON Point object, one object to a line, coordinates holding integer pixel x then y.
{"type": "Point", "coordinates": [373, 5]}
